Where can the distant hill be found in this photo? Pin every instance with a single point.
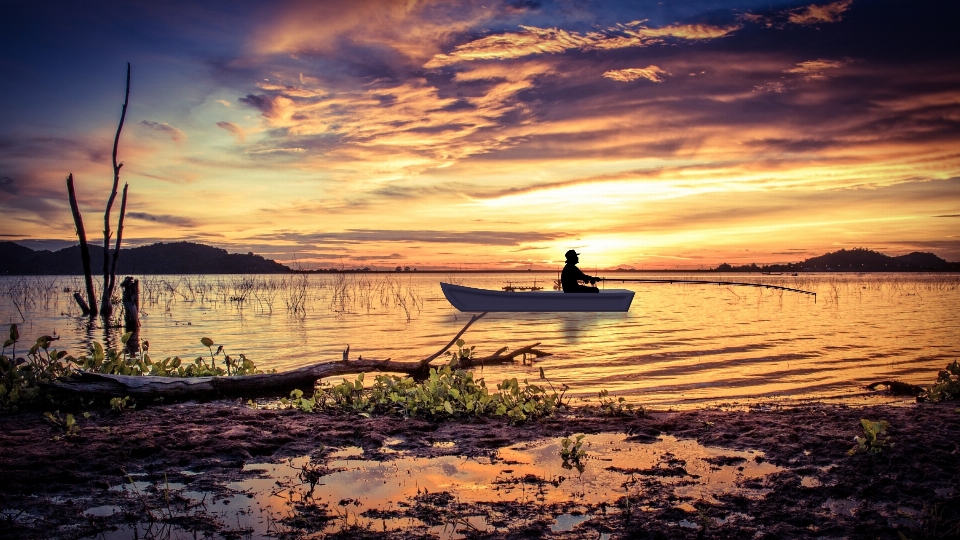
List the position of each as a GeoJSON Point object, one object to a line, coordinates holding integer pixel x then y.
{"type": "Point", "coordinates": [162, 258]}
{"type": "Point", "coordinates": [858, 260]}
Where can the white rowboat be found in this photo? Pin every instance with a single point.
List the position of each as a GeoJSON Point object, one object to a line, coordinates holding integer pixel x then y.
{"type": "Point", "coordinates": [471, 299]}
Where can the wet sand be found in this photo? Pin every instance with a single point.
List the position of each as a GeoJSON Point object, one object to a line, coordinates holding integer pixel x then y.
{"type": "Point", "coordinates": [72, 487]}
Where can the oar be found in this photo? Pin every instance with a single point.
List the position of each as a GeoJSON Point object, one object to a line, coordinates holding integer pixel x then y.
{"type": "Point", "coordinates": [714, 283]}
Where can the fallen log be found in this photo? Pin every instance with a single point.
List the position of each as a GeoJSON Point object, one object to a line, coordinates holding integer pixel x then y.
{"type": "Point", "coordinates": [268, 384]}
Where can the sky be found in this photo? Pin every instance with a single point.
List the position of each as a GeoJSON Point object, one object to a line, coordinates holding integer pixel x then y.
{"type": "Point", "coordinates": [488, 134]}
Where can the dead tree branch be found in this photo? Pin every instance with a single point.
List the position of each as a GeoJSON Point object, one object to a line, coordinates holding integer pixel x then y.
{"type": "Point", "coordinates": [90, 309]}
{"type": "Point", "coordinates": [109, 275]}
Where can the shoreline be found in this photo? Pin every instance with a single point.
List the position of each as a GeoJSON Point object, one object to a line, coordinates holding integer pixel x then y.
{"type": "Point", "coordinates": [52, 486]}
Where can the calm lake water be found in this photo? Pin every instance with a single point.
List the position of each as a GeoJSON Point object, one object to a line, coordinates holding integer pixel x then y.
{"type": "Point", "coordinates": [679, 345]}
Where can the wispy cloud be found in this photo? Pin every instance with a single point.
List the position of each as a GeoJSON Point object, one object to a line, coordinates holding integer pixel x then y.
{"type": "Point", "coordinates": [535, 41]}
{"type": "Point", "coordinates": [277, 151]}
{"type": "Point", "coordinates": [651, 73]}
{"type": "Point", "coordinates": [165, 219]}
{"type": "Point", "coordinates": [234, 130]}
{"type": "Point", "coordinates": [360, 236]}
{"type": "Point", "coordinates": [815, 69]}
{"type": "Point", "coordinates": [820, 13]}
{"type": "Point", "coordinates": [162, 127]}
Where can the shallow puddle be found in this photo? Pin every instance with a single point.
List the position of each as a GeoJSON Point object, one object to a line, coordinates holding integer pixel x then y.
{"type": "Point", "coordinates": [448, 496]}
{"type": "Point", "coordinates": [443, 495]}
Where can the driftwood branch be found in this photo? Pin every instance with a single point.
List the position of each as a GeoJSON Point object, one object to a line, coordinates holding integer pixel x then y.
{"type": "Point", "coordinates": [90, 309]}
{"type": "Point", "coordinates": [267, 384]}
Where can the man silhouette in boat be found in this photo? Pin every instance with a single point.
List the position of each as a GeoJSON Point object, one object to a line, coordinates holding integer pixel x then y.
{"type": "Point", "coordinates": [571, 276]}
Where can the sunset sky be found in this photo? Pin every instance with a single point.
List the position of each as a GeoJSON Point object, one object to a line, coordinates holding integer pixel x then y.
{"type": "Point", "coordinates": [494, 134]}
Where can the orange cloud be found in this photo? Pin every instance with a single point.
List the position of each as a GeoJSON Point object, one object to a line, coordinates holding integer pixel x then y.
{"type": "Point", "coordinates": [535, 40]}
{"type": "Point", "coordinates": [415, 29]}
{"type": "Point", "coordinates": [814, 69]}
{"type": "Point", "coordinates": [651, 73]}
{"type": "Point", "coordinates": [814, 13]}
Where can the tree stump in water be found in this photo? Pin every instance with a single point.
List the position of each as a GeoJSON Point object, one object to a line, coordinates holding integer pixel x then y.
{"type": "Point", "coordinates": [131, 311]}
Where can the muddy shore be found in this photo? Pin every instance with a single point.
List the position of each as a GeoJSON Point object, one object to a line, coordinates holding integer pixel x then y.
{"type": "Point", "coordinates": [910, 487]}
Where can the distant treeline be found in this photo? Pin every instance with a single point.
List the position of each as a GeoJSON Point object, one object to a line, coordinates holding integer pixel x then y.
{"type": "Point", "coordinates": [162, 258]}
{"type": "Point", "coordinates": [855, 260]}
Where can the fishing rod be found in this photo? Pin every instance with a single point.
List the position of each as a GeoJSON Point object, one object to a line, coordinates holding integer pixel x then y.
{"type": "Point", "coordinates": [714, 283]}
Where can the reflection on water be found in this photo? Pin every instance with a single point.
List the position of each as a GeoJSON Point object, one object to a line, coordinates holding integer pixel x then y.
{"type": "Point", "coordinates": [443, 495]}
{"type": "Point", "coordinates": [679, 345]}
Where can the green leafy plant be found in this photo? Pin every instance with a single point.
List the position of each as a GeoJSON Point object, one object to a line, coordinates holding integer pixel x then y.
{"type": "Point", "coordinates": [572, 452]}
{"type": "Point", "coordinates": [68, 424]}
{"type": "Point", "coordinates": [462, 353]}
{"type": "Point", "coordinates": [870, 442]}
{"type": "Point", "coordinates": [119, 404]}
{"type": "Point", "coordinates": [947, 386]}
{"type": "Point", "coordinates": [614, 407]}
{"type": "Point", "coordinates": [297, 401]}
{"type": "Point", "coordinates": [121, 362]}
{"type": "Point", "coordinates": [21, 378]}
{"type": "Point", "coordinates": [446, 393]}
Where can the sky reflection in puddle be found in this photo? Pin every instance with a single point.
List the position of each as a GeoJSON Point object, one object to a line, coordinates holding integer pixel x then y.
{"type": "Point", "coordinates": [440, 495]}
{"type": "Point", "coordinates": [446, 496]}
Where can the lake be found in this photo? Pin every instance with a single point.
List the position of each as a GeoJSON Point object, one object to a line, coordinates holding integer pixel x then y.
{"type": "Point", "coordinates": [679, 345]}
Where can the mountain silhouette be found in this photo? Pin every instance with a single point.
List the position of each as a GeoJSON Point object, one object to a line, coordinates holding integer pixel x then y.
{"type": "Point", "coordinates": [860, 259]}
{"type": "Point", "coordinates": [857, 260]}
{"type": "Point", "coordinates": [161, 258]}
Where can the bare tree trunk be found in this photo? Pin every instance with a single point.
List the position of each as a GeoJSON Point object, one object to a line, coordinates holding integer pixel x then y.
{"type": "Point", "coordinates": [109, 276]}
{"type": "Point", "coordinates": [90, 310]}
{"type": "Point", "coordinates": [82, 303]}
{"type": "Point", "coordinates": [116, 250]}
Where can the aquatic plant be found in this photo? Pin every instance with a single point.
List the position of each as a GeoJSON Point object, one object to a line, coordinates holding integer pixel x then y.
{"type": "Point", "coordinates": [22, 378]}
{"type": "Point", "coordinates": [447, 392]}
{"type": "Point", "coordinates": [870, 442]}
{"type": "Point", "coordinates": [297, 401]}
{"type": "Point", "coordinates": [68, 424]}
{"type": "Point", "coordinates": [119, 404]}
{"type": "Point", "coordinates": [615, 407]}
{"type": "Point", "coordinates": [947, 386]}
{"type": "Point", "coordinates": [462, 353]}
{"type": "Point", "coordinates": [572, 453]}
{"type": "Point", "coordinates": [113, 362]}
